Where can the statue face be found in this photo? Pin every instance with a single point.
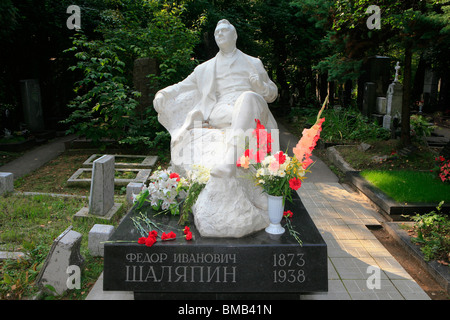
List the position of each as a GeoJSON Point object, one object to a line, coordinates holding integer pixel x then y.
{"type": "Point", "coordinates": [225, 36]}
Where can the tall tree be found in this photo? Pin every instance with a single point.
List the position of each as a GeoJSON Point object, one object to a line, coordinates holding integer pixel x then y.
{"type": "Point", "coordinates": [406, 24]}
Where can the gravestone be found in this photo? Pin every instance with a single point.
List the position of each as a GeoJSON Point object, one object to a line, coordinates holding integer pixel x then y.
{"type": "Point", "coordinates": [375, 70]}
{"type": "Point", "coordinates": [97, 235]}
{"type": "Point", "coordinates": [141, 69]}
{"type": "Point", "coordinates": [31, 103]}
{"type": "Point", "coordinates": [101, 198]}
{"type": "Point", "coordinates": [430, 87]}
{"type": "Point", "coordinates": [257, 265]}
{"type": "Point", "coordinates": [65, 252]}
{"type": "Point", "coordinates": [6, 182]}
{"type": "Point", "coordinates": [133, 188]}
{"type": "Point", "coordinates": [381, 105]}
{"type": "Point", "coordinates": [394, 100]}
{"type": "Point", "coordinates": [369, 98]}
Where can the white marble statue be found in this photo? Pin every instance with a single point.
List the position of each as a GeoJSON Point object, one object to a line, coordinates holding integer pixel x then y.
{"type": "Point", "coordinates": [206, 115]}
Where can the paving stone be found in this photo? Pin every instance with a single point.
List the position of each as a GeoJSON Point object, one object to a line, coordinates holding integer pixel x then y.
{"type": "Point", "coordinates": [346, 249]}
{"type": "Point", "coordinates": [359, 290]}
{"type": "Point", "coordinates": [410, 290]}
{"type": "Point", "coordinates": [392, 268]}
{"type": "Point", "coordinates": [361, 232]}
{"type": "Point", "coordinates": [355, 268]}
{"type": "Point", "coordinates": [375, 248]}
{"type": "Point", "coordinates": [336, 291]}
{"type": "Point", "coordinates": [332, 273]}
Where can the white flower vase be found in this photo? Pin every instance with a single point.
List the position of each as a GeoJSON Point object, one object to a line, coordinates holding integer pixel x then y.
{"type": "Point", "coordinates": [276, 209]}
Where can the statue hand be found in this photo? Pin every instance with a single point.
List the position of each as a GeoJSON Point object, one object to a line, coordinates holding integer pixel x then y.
{"type": "Point", "coordinates": [257, 83]}
{"type": "Point", "coordinates": [158, 102]}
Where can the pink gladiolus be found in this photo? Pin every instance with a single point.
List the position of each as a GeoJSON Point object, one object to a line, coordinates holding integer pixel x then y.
{"type": "Point", "coordinates": [308, 141]}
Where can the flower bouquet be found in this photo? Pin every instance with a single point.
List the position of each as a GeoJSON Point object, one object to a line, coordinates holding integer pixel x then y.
{"type": "Point", "coordinates": [279, 174]}
{"type": "Point", "coordinates": [164, 192]}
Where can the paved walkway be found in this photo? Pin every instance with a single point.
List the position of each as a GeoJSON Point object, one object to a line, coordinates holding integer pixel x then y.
{"type": "Point", "coordinates": [36, 157]}
{"type": "Point", "coordinates": [356, 259]}
{"type": "Point", "coordinates": [355, 256]}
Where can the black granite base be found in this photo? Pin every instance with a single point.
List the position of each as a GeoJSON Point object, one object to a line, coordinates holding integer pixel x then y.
{"type": "Point", "coordinates": [258, 265]}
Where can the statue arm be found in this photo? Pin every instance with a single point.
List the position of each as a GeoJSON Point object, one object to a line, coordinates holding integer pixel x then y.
{"type": "Point", "coordinates": [269, 89]}
{"type": "Point", "coordinates": [171, 92]}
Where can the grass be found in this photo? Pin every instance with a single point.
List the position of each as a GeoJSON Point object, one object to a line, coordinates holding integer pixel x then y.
{"type": "Point", "coordinates": [6, 157]}
{"type": "Point", "coordinates": [117, 174]}
{"type": "Point", "coordinates": [421, 159]}
{"type": "Point", "coordinates": [409, 186]}
{"type": "Point", "coordinates": [53, 176]}
{"type": "Point", "coordinates": [30, 223]}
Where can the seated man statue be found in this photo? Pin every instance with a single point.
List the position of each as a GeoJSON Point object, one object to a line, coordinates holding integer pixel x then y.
{"type": "Point", "coordinates": [206, 112]}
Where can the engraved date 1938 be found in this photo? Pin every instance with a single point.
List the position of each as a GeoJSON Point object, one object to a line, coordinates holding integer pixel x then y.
{"type": "Point", "coordinates": [287, 268]}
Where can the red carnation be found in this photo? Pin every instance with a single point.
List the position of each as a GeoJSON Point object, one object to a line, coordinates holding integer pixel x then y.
{"type": "Point", "coordinates": [188, 236]}
{"type": "Point", "coordinates": [174, 176]}
{"type": "Point", "coordinates": [150, 241]}
{"type": "Point", "coordinates": [295, 183]}
{"type": "Point", "coordinates": [186, 229]}
{"type": "Point", "coordinates": [288, 214]}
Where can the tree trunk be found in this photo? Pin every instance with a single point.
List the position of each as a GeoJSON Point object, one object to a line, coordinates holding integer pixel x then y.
{"type": "Point", "coordinates": [405, 133]}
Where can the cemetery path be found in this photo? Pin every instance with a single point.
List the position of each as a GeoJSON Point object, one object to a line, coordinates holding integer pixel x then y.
{"type": "Point", "coordinates": [344, 217]}
{"type": "Point", "coordinates": [36, 157]}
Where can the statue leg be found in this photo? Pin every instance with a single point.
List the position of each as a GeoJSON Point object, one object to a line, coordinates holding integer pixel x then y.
{"type": "Point", "coordinates": [248, 107]}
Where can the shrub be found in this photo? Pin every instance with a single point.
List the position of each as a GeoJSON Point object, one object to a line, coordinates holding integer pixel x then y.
{"type": "Point", "coordinates": [433, 234]}
{"type": "Point", "coordinates": [105, 106]}
{"type": "Point", "coordinates": [343, 125]}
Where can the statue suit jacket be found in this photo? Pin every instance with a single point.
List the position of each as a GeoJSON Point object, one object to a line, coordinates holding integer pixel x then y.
{"type": "Point", "coordinates": [202, 80]}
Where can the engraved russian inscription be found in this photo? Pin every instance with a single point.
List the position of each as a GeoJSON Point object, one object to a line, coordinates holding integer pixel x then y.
{"type": "Point", "coordinates": [181, 267]}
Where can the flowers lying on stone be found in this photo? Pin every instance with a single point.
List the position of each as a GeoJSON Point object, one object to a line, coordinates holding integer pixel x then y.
{"type": "Point", "coordinates": [164, 191]}
{"type": "Point", "coordinates": [168, 236]}
{"type": "Point", "coordinates": [187, 233]}
{"type": "Point", "coordinates": [278, 174]}
{"type": "Point", "coordinates": [288, 214]}
{"type": "Point", "coordinates": [152, 237]}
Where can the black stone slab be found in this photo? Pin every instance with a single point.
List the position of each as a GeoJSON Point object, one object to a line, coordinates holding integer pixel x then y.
{"type": "Point", "coordinates": [259, 263]}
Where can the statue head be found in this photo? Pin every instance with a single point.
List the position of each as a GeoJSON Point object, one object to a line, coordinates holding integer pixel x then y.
{"type": "Point", "coordinates": [225, 35]}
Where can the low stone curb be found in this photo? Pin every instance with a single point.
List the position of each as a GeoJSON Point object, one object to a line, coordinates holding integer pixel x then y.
{"type": "Point", "coordinates": [438, 271]}
{"type": "Point", "coordinates": [392, 208]}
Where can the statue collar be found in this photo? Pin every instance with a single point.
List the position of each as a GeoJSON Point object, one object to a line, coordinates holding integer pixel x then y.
{"type": "Point", "coordinates": [229, 55]}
